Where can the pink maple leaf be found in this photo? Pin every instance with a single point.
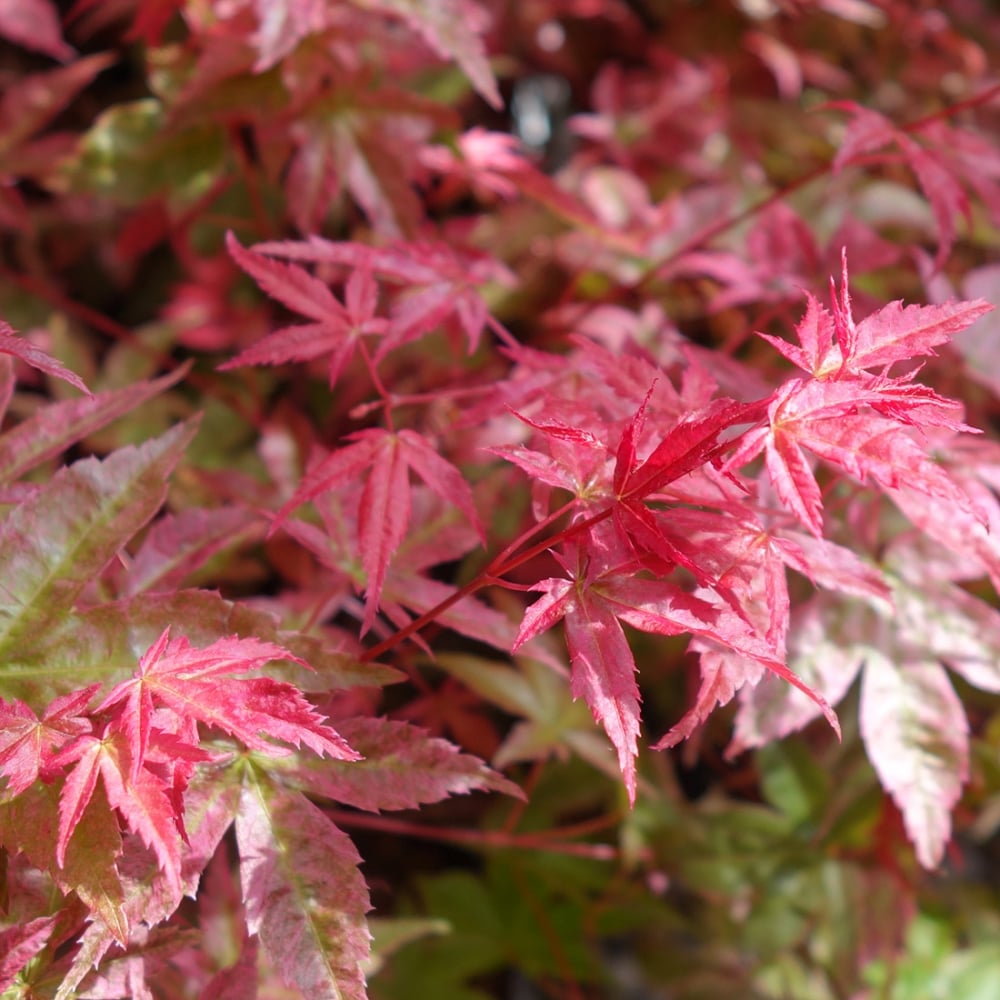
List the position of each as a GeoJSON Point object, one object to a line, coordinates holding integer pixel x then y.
{"type": "Point", "coordinates": [933, 164]}
{"type": "Point", "coordinates": [453, 29]}
{"type": "Point", "coordinates": [491, 163]}
{"type": "Point", "coordinates": [441, 281]}
{"type": "Point", "coordinates": [142, 797]}
{"type": "Point", "coordinates": [834, 346]}
{"type": "Point", "coordinates": [858, 421]}
{"type": "Point", "coordinates": [20, 348]}
{"type": "Point", "coordinates": [197, 685]}
{"type": "Point", "coordinates": [337, 329]}
{"type": "Point", "coordinates": [384, 505]}
{"type": "Point", "coordinates": [28, 744]}
{"type": "Point", "coordinates": [593, 600]}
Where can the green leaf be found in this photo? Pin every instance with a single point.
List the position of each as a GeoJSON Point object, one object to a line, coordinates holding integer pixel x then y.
{"type": "Point", "coordinates": [29, 824]}
{"type": "Point", "coordinates": [133, 153]}
{"type": "Point", "coordinates": [793, 780]}
{"type": "Point", "coordinates": [57, 542]}
{"type": "Point", "coordinates": [104, 643]}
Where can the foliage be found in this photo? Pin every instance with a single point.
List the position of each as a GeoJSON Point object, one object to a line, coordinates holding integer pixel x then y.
{"type": "Point", "coordinates": [403, 399]}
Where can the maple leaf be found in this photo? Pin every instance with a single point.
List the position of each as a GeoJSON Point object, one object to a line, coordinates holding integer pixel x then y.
{"type": "Point", "coordinates": [303, 892]}
{"type": "Point", "coordinates": [20, 944]}
{"type": "Point", "coordinates": [491, 163]}
{"type": "Point", "coordinates": [781, 257]}
{"type": "Point", "coordinates": [577, 460]}
{"type": "Point", "coordinates": [358, 138]}
{"type": "Point", "coordinates": [337, 330]}
{"type": "Point", "coordinates": [281, 26]}
{"type": "Point", "coordinates": [196, 684]}
{"type": "Point", "coordinates": [17, 347]}
{"type": "Point", "coordinates": [592, 600]}
{"type": "Point", "coordinates": [384, 504]}
{"type": "Point", "coordinates": [138, 794]}
{"type": "Point", "coordinates": [947, 156]}
{"type": "Point", "coordinates": [28, 744]}
{"type": "Point", "coordinates": [914, 727]}
{"type": "Point", "coordinates": [453, 29]}
{"type": "Point", "coordinates": [441, 281]}
{"type": "Point", "coordinates": [851, 418]}
{"type": "Point", "coordinates": [834, 346]}
{"type": "Point", "coordinates": [640, 114]}
{"type": "Point", "coordinates": [692, 442]}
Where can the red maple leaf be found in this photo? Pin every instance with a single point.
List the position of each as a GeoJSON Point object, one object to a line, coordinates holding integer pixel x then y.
{"type": "Point", "coordinates": [198, 685]}
{"type": "Point", "coordinates": [337, 329]}
{"type": "Point", "coordinates": [384, 504]}
{"type": "Point", "coordinates": [441, 282]}
{"type": "Point", "coordinates": [942, 156]}
{"type": "Point", "coordinates": [603, 589]}
{"type": "Point", "coordinates": [28, 744]}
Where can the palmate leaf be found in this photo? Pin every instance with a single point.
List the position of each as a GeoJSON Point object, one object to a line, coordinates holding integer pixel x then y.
{"type": "Point", "coordinates": [453, 29]}
{"type": "Point", "coordinates": [383, 511]}
{"type": "Point", "coordinates": [18, 347]}
{"type": "Point", "coordinates": [833, 345]}
{"type": "Point", "coordinates": [402, 767]}
{"type": "Point", "coordinates": [27, 742]}
{"type": "Point", "coordinates": [57, 426]}
{"type": "Point", "coordinates": [20, 944]}
{"type": "Point", "coordinates": [916, 735]}
{"type": "Point", "coordinates": [594, 601]}
{"type": "Point", "coordinates": [365, 140]}
{"type": "Point", "coordinates": [336, 329]}
{"type": "Point", "coordinates": [145, 895]}
{"type": "Point", "coordinates": [140, 796]}
{"type": "Point", "coordinates": [442, 281]}
{"type": "Point", "coordinates": [145, 754]}
{"type": "Point", "coordinates": [56, 542]}
{"type": "Point", "coordinates": [303, 892]}
{"type": "Point", "coordinates": [860, 422]}
{"type": "Point", "coordinates": [946, 157]}
{"type": "Point", "coordinates": [913, 725]}
{"type": "Point", "coordinates": [101, 644]}
{"type": "Point", "coordinates": [199, 684]}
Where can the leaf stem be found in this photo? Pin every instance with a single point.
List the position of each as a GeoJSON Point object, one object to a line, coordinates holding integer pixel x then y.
{"type": "Point", "coordinates": [499, 566]}
{"type": "Point", "coordinates": [544, 840]}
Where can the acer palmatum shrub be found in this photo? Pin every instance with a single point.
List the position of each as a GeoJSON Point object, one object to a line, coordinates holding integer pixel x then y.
{"type": "Point", "coordinates": [397, 396]}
